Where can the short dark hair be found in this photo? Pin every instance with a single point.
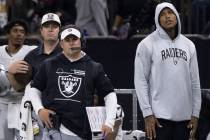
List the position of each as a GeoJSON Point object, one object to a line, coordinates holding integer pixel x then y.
{"type": "Point", "coordinates": [13, 23]}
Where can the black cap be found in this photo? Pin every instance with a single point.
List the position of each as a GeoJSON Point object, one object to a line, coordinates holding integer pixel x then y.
{"type": "Point", "coordinates": [13, 23]}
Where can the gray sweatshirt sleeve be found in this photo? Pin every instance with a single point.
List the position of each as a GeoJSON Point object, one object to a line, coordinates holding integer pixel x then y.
{"type": "Point", "coordinates": [142, 70]}
{"type": "Point", "coordinates": [195, 80]}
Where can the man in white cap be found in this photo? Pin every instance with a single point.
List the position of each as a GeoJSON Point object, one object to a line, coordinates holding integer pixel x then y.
{"type": "Point", "coordinates": [50, 27]}
{"type": "Point", "coordinates": [65, 85]}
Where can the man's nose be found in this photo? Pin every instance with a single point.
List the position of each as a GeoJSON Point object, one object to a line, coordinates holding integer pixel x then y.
{"type": "Point", "coordinates": [71, 40]}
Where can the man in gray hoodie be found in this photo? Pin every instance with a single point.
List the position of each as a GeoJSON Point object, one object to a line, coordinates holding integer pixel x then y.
{"type": "Point", "coordinates": [167, 79]}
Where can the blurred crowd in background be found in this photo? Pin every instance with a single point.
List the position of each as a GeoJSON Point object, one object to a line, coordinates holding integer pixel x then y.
{"type": "Point", "coordinates": [121, 18]}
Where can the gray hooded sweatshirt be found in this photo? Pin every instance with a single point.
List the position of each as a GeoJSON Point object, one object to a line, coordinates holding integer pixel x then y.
{"type": "Point", "coordinates": [166, 74]}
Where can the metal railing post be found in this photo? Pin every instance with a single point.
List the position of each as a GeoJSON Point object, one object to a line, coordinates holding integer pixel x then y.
{"type": "Point", "coordinates": [135, 111]}
{"type": "Point", "coordinates": [134, 104]}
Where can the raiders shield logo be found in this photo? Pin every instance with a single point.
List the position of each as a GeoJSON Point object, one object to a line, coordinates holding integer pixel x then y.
{"type": "Point", "coordinates": [69, 85]}
{"type": "Point", "coordinates": [50, 17]}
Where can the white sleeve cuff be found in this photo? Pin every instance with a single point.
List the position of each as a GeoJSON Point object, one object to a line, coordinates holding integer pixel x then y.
{"type": "Point", "coordinates": [35, 96]}
{"type": "Point", "coordinates": [147, 112]}
{"type": "Point", "coordinates": [111, 109]}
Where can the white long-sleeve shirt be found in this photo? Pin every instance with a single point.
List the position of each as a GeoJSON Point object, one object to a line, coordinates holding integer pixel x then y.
{"type": "Point", "coordinates": [13, 98]}
{"type": "Point", "coordinates": [6, 60]}
{"type": "Point", "coordinates": [110, 106]}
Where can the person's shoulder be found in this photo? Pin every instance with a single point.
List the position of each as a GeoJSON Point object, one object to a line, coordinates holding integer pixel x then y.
{"type": "Point", "coordinates": [2, 47]}
{"type": "Point", "coordinates": [150, 38]}
{"type": "Point", "coordinates": [59, 58]}
{"type": "Point", "coordinates": [28, 48]}
{"type": "Point", "coordinates": [186, 40]}
{"type": "Point", "coordinates": [48, 62]}
{"type": "Point", "coordinates": [188, 44]}
{"type": "Point", "coordinates": [94, 67]}
{"type": "Point", "coordinates": [33, 51]}
{"type": "Point", "coordinates": [93, 63]}
{"type": "Point", "coordinates": [96, 64]}
{"type": "Point", "coordinates": [148, 41]}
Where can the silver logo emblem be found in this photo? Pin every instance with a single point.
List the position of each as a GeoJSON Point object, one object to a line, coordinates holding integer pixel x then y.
{"type": "Point", "coordinates": [69, 85]}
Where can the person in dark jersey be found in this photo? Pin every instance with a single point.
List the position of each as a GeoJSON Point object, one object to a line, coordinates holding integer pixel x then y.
{"type": "Point", "coordinates": [50, 27]}
{"type": "Point", "coordinates": [65, 84]}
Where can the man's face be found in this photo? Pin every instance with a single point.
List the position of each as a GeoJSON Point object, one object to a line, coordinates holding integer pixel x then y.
{"type": "Point", "coordinates": [167, 19]}
{"type": "Point", "coordinates": [49, 31]}
{"type": "Point", "coordinates": [17, 35]}
{"type": "Point", "coordinates": [71, 45]}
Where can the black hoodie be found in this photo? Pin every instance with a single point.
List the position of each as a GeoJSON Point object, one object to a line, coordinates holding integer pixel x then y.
{"type": "Point", "coordinates": [68, 87]}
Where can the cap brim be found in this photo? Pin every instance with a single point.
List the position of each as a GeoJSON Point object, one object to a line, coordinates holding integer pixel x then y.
{"type": "Point", "coordinates": [52, 21]}
{"type": "Point", "coordinates": [70, 31]}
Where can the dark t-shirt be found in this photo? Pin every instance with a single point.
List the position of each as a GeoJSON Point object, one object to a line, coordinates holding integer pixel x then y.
{"type": "Point", "coordinates": [37, 56]}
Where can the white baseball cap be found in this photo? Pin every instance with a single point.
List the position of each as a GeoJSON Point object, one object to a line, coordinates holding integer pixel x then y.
{"type": "Point", "coordinates": [70, 31]}
{"type": "Point", "coordinates": [50, 17]}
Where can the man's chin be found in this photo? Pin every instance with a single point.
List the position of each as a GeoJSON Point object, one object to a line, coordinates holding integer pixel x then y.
{"type": "Point", "coordinates": [18, 43]}
{"type": "Point", "coordinates": [52, 39]}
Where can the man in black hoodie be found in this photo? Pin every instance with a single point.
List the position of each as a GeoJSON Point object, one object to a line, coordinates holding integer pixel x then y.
{"type": "Point", "coordinates": [65, 85]}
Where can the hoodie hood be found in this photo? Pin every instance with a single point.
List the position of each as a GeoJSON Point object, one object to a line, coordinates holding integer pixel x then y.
{"type": "Point", "coordinates": [84, 58]}
{"type": "Point", "coordinates": [158, 9]}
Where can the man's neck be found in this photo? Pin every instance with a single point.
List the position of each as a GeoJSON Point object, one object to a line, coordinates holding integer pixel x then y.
{"type": "Point", "coordinates": [49, 46]}
{"type": "Point", "coordinates": [171, 33]}
{"type": "Point", "coordinates": [12, 49]}
{"type": "Point", "coordinates": [75, 56]}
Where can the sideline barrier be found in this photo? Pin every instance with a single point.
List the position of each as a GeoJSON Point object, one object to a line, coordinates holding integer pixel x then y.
{"type": "Point", "coordinates": [133, 119]}
{"type": "Point", "coordinates": [134, 105]}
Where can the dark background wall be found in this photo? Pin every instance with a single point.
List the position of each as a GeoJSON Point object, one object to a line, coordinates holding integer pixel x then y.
{"type": "Point", "coordinates": [117, 57]}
